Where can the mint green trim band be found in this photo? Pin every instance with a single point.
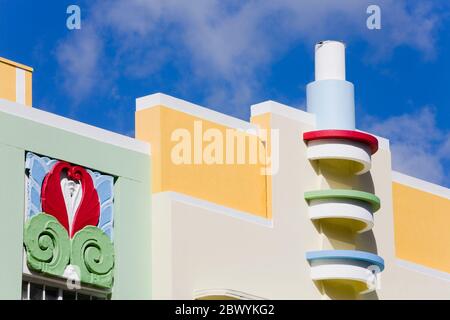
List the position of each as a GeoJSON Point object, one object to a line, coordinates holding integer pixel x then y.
{"type": "Point", "coordinates": [344, 194]}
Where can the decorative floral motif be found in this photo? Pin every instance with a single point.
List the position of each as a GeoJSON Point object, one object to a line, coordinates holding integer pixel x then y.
{"type": "Point", "coordinates": [55, 203]}
{"type": "Point", "coordinates": [93, 253]}
{"type": "Point", "coordinates": [39, 167]}
{"type": "Point", "coordinates": [47, 244]}
{"type": "Point", "coordinates": [69, 220]}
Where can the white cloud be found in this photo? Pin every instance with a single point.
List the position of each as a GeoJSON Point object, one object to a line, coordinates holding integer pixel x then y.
{"type": "Point", "coordinates": [79, 58]}
{"type": "Point", "coordinates": [419, 148]}
{"type": "Point", "coordinates": [224, 47]}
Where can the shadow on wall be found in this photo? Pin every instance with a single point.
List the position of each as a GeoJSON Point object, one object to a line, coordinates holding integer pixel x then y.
{"type": "Point", "coordinates": [340, 233]}
{"type": "Point", "coordinates": [344, 290]}
{"type": "Point", "coordinates": [366, 241]}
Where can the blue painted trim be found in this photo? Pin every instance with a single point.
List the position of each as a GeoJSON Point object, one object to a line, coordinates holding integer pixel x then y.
{"type": "Point", "coordinates": [346, 254]}
{"type": "Point", "coordinates": [38, 168]}
{"type": "Point", "coordinates": [333, 103]}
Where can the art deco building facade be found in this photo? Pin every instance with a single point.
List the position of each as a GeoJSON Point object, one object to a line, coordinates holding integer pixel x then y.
{"type": "Point", "coordinates": [291, 204]}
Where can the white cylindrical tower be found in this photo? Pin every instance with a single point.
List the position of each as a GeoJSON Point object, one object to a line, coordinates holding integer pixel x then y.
{"type": "Point", "coordinates": [330, 60]}
{"type": "Point", "coordinates": [330, 97]}
{"type": "Point", "coordinates": [338, 148]}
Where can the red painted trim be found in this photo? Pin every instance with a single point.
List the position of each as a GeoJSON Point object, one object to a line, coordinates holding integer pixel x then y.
{"type": "Point", "coordinates": [88, 212]}
{"type": "Point", "coordinates": [351, 135]}
{"type": "Point", "coordinates": [52, 198]}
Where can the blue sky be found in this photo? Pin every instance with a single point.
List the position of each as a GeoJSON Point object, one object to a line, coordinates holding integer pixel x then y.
{"type": "Point", "coordinates": [227, 55]}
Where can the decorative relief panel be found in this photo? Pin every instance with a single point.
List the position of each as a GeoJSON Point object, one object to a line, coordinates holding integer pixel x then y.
{"type": "Point", "coordinates": [69, 221]}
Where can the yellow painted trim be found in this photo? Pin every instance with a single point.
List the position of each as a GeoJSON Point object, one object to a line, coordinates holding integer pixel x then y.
{"type": "Point", "coordinates": [29, 89]}
{"type": "Point", "coordinates": [422, 227]}
{"type": "Point", "coordinates": [264, 122]}
{"type": "Point", "coordinates": [238, 186]}
{"type": "Point", "coordinates": [149, 128]}
{"type": "Point", "coordinates": [7, 82]}
{"type": "Point", "coordinates": [16, 64]}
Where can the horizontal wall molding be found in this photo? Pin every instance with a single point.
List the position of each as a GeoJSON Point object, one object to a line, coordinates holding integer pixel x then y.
{"type": "Point", "coordinates": [430, 272]}
{"type": "Point", "coordinates": [16, 64]}
{"type": "Point", "coordinates": [420, 184]}
{"type": "Point", "coordinates": [370, 258]}
{"type": "Point", "coordinates": [283, 110]}
{"type": "Point", "coordinates": [72, 126]}
{"type": "Point", "coordinates": [344, 194]}
{"type": "Point", "coordinates": [160, 99]}
{"type": "Point", "coordinates": [351, 135]}
{"type": "Point", "coordinates": [210, 206]}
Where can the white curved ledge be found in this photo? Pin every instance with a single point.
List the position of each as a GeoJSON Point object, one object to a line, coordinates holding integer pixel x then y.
{"type": "Point", "coordinates": [361, 268]}
{"type": "Point", "coordinates": [356, 214]}
{"type": "Point", "coordinates": [345, 272]}
{"type": "Point", "coordinates": [357, 154]}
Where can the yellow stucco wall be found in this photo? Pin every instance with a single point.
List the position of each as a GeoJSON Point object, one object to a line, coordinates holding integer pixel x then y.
{"type": "Point", "coordinates": [264, 122]}
{"type": "Point", "coordinates": [8, 80]}
{"type": "Point", "coordinates": [422, 227]}
{"type": "Point", "coordinates": [238, 186]}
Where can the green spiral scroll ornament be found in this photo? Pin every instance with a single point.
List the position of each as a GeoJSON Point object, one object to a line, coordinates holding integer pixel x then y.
{"type": "Point", "coordinates": [47, 244]}
{"type": "Point", "coordinates": [93, 252]}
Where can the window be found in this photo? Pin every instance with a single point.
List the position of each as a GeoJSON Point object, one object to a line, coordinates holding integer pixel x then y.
{"type": "Point", "coordinates": [52, 289]}
{"type": "Point", "coordinates": [223, 294]}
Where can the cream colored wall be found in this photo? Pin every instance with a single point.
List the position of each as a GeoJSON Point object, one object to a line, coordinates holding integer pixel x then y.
{"type": "Point", "coordinates": [210, 249]}
{"type": "Point", "coordinates": [199, 245]}
{"type": "Point", "coordinates": [399, 280]}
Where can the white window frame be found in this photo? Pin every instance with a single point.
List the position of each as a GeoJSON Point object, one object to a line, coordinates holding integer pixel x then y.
{"type": "Point", "coordinates": [61, 285]}
{"type": "Point", "coordinates": [223, 293]}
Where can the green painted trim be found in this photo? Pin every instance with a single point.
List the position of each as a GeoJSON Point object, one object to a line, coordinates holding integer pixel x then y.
{"type": "Point", "coordinates": [93, 253]}
{"type": "Point", "coordinates": [47, 244]}
{"type": "Point", "coordinates": [345, 194]}
{"type": "Point", "coordinates": [133, 226]}
{"type": "Point", "coordinates": [49, 250]}
{"type": "Point", "coordinates": [12, 207]}
{"type": "Point", "coordinates": [132, 203]}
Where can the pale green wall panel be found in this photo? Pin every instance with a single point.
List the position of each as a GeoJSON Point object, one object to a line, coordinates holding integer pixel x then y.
{"type": "Point", "coordinates": [64, 145]}
{"type": "Point", "coordinates": [11, 217]}
{"type": "Point", "coordinates": [132, 207]}
{"type": "Point", "coordinates": [133, 256]}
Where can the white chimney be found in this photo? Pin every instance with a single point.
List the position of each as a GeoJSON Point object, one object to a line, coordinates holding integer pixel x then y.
{"type": "Point", "coordinates": [330, 60]}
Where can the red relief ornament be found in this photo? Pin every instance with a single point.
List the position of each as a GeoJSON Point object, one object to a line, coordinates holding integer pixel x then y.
{"type": "Point", "coordinates": [54, 202]}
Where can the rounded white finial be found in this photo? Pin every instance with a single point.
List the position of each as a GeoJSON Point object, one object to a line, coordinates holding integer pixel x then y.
{"type": "Point", "coordinates": [330, 60]}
